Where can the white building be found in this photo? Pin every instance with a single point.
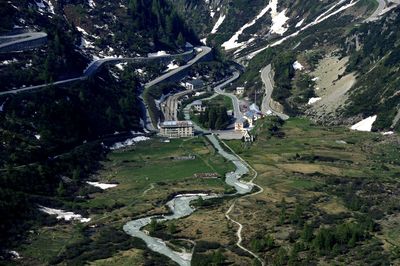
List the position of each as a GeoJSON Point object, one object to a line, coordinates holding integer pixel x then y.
{"type": "Point", "coordinates": [176, 129]}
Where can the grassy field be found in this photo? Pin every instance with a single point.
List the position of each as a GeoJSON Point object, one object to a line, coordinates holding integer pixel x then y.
{"type": "Point", "coordinates": [322, 177]}
{"type": "Point", "coordinates": [221, 100]}
{"type": "Point", "coordinates": [331, 182]}
{"type": "Point", "coordinates": [146, 175]}
{"type": "Point", "coordinates": [318, 170]}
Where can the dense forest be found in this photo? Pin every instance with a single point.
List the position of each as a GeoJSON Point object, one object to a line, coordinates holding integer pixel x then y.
{"type": "Point", "coordinates": [52, 139]}
{"type": "Point", "coordinates": [214, 117]}
{"type": "Point", "coordinates": [41, 143]}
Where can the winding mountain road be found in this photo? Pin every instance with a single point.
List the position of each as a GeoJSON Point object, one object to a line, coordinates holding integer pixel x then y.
{"type": "Point", "coordinates": [205, 51]}
{"type": "Point", "coordinates": [266, 103]}
{"type": "Point", "coordinates": [383, 7]}
{"type": "Point", "coordinates": [235, 101]}
{"type": "Point", "coordinates": [22, 41]}
{"type": "Point", "coordinates": [94, 66]}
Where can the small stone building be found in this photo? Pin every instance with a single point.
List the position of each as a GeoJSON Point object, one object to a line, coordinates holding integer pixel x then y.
{"type": "Point", "coordinates": [194, 84]}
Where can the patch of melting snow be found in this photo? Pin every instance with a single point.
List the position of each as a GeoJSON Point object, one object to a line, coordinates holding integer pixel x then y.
{"type": "Point", "coordinates": [101, 185]}
{"type": "Point", "coordinates": [85, 43]}
{"type": "Point", "coordinates": [298, 66]}
{"type": "Point", "coordinates": [14, 254]}
{"type": "Point", "coordinates": [128, 142]}
{"type": "Point", "coordinates": [159, 53]}
{"type": "Point", "coordinates": [37, 137]}
{"type": "Point", "coordinates": [387, 133]}
{"type": "Point", "coordinates": [324, 16]}
{"type": "Point", "coordinates": [365, 125]}
{"type": "Point", "coordinates": [232, 42]}
{"type": "Point", "coordinates": [313, 100]}
{"type": "Point", "coordinates": [300, 23]}
{"type": "Point", "coordinates": [91, 3]}
{"type": "Point", "coordinates": [81, 30]}
{"type": "Point", "coordinates": [64, 215]}
{"type": "Point", "coordinates": [7, 62]}
{"type": "Point", "coordinates": [315, 79]}
{"type": "Point", "coordinates": [341, 142]}
{"type": "Point", "coordinates": [2, 106]}
{"type": "Point", "coordinates": [172, 66]}
{"type": "Point", "coordinates": [121, 66]}
{"type": "Point", "coordinates": [51, 7]}
{"type": "Point", "coordinates": [218, 24]}
{"type": "Point", "coordinates": [279, 19]}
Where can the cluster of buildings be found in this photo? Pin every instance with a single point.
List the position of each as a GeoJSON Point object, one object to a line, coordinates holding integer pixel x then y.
{"type": "Point", "coordinates": [249, 118]}
{"type": "Point", "coordinates": [181, 129]}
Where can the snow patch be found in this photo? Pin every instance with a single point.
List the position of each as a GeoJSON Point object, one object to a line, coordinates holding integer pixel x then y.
{"type": "Point", "coordinates": [121, 66]}
{"type": "Point", "coordinates": [172, 66]}
{"type": "Point", "coordinates": [298, 66]}
{"type": "Point", "coordinates": [64, 215]}
{"type": "Point", "coordinates": [324, 16]}
{"type": "Point", "coordinates": [14, 254]}
{"type": "Point", "coordinates": [86, 44]}
{"type": "Point", "coordinates": [365, 125]}
{"type": "Point", "coordinates": [159, 53]}
{"type": "Point", "coordinates": [387, 133]}
{"type": "Point", "coordinates": [91, 3]}
{"type": "Point", "coordinates": [218, 23]}
{"type": "Point", "coordinates": [128, 142]}
{"type": "Point", "coordinates": [313, 100]}
{"type": "Point", "coordinates": [81, 30]}
{"type": "Point", "coordinates": [38, 137]}
{"type": "Point", "coordinates": [101, 185]}
{"type": "Point", "coordinates": [7, 62]}
{"type": "Point", "coordinates": [45, 6]}
{"type": "Point", "coordinates": [2, 106]}
{"type": "Point", "coordinates": [232, 42]}
{"type": "Point", "coordinates": [300, 23]}
{"type": "Point", "coordinates": [279, 19]}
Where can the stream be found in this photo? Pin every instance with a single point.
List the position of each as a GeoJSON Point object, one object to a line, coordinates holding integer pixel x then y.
{"type": "Point", "coordinates": [180, 207]}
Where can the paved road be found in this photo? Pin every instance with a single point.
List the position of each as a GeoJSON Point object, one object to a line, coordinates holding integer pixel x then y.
{"type": "Point", "coordinates": [266, 103]}
{"type": "Point", "coordinates": [383, 7]}
{"type": "Point", "coordinates": [30, 88]}
{"type": "Point", "coordinates": [94, 67]}
{"type": "Point", "coordinates": [149, 124]}
{"type": "Point", "coordinates": [23, 40]}
{"type": "Point", "coordinates": [204, 52]}
{"type": "Point", "coordinates": [235, 101]}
